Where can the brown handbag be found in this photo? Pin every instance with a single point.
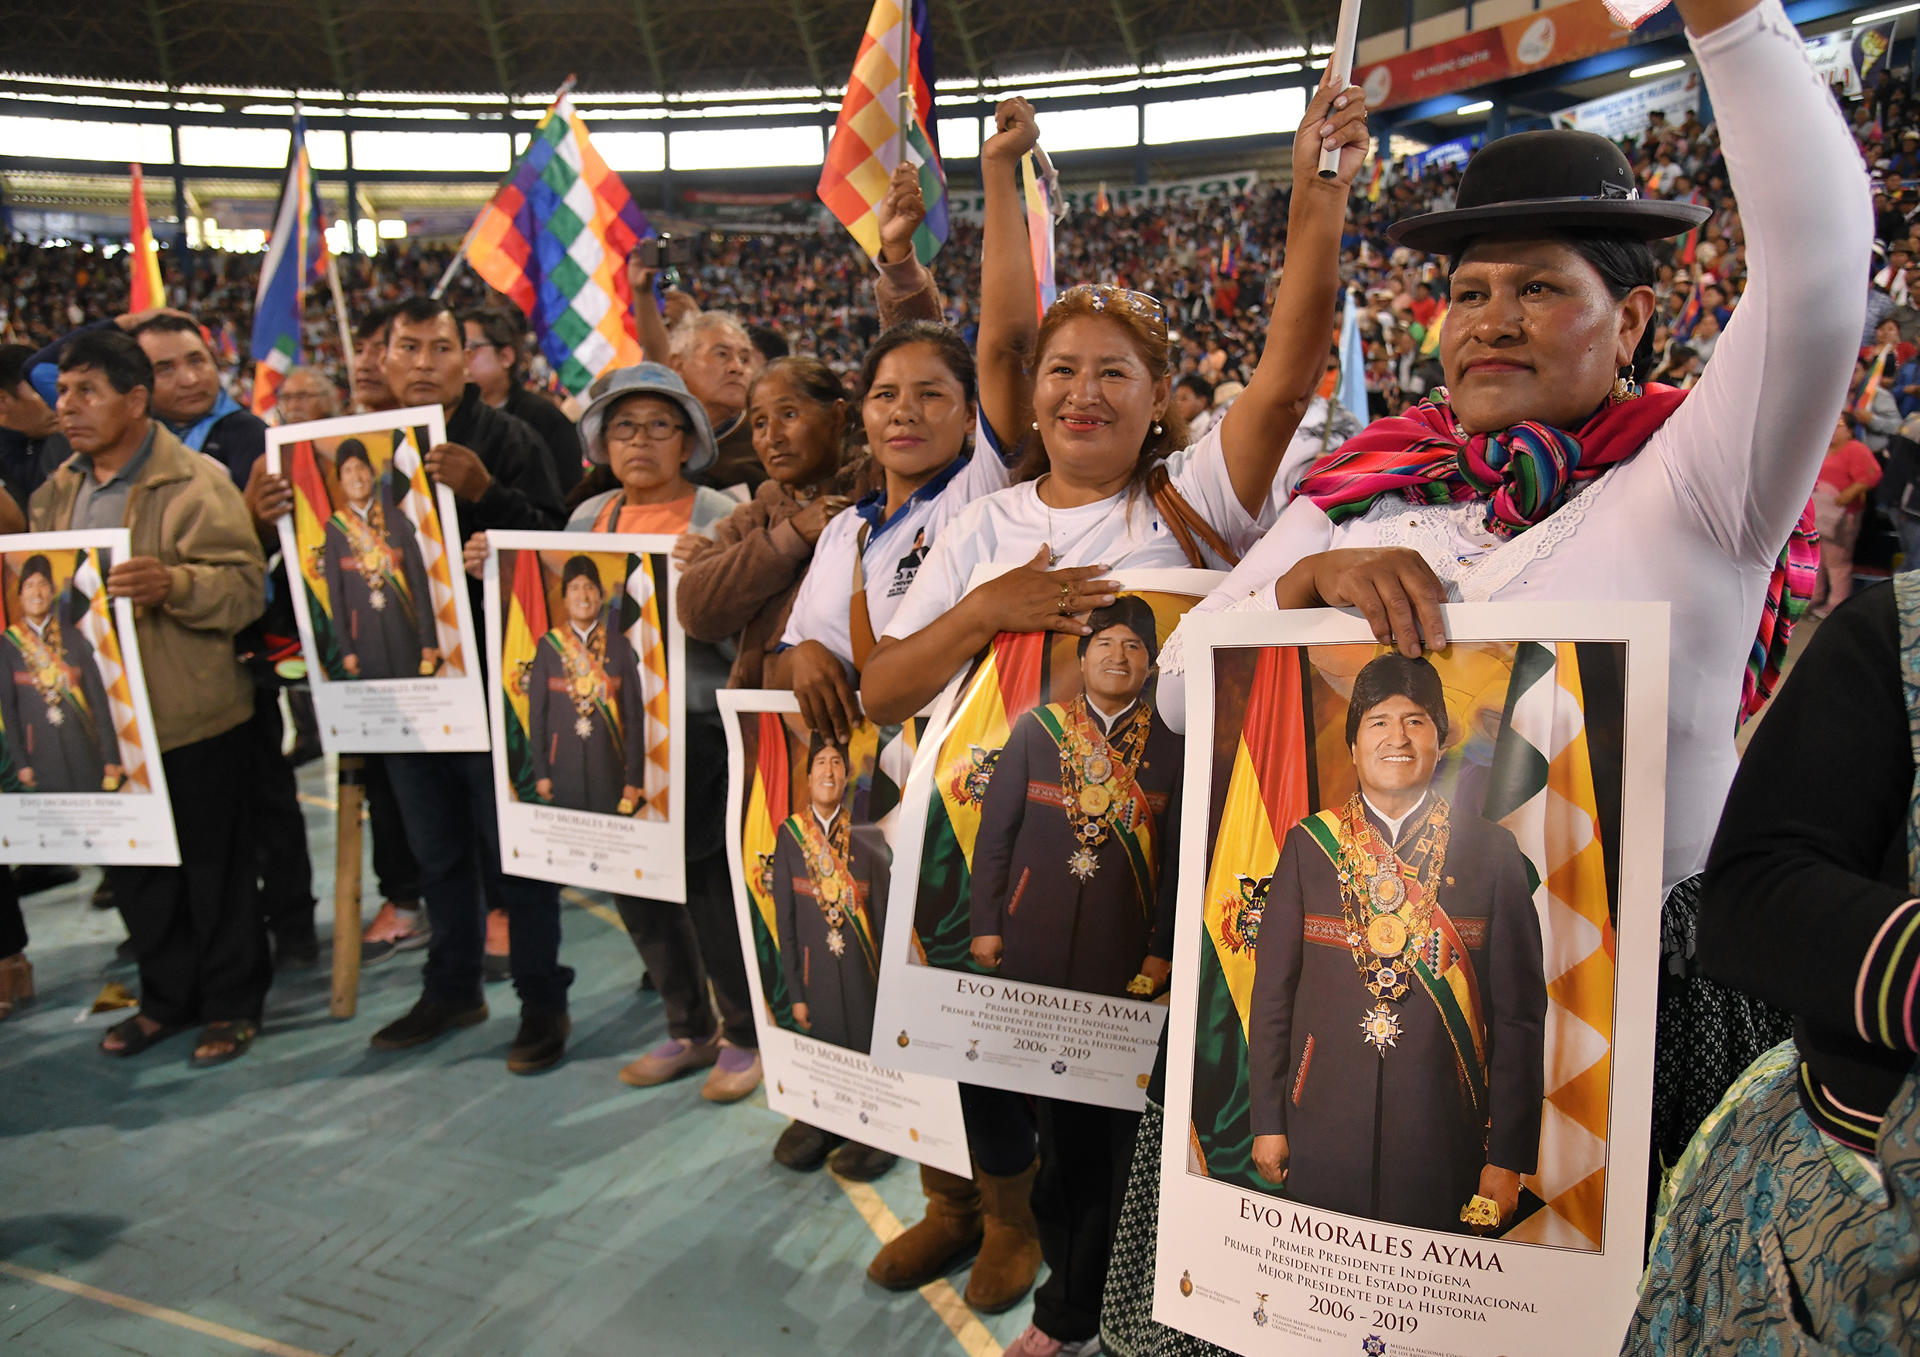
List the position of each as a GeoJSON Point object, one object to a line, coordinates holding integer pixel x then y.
{"type": "Point", "coordinates": [1185, 522]}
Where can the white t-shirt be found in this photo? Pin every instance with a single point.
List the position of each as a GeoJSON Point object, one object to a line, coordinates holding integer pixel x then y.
{"type": "Point", "coordinates": [1697, 518]}
{"type": "Point", "coordinates": [1121, 532]}
{"type": "Point", "coordinates": [895, 548]}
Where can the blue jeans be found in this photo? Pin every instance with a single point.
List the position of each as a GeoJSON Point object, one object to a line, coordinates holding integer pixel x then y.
{"type": "Point", "coordinates": [446, 803]}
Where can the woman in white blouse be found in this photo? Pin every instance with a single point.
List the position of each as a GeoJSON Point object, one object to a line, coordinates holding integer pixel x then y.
{"type": "Point", "coordinates": [1541, 473]}
{"type": "Point", "coordinates": [1109, 450]}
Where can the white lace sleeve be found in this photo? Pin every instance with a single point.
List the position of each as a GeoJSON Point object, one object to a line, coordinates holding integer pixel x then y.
{"type": "Point", "coordinates": [1170, 697]}
{"type": "Point", "coordinates": [1748, 443]}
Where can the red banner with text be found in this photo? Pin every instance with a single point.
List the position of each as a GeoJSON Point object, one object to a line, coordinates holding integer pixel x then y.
{"type": "Point", "coordinates": [1529, 43]}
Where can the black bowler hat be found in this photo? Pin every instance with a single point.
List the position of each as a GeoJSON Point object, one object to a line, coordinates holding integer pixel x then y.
{"type": "Point", "coordinates": [1547, 182]}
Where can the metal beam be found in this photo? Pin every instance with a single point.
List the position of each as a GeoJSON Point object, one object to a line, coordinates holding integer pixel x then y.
{"type": "Point", "coordinates": [798, 9]}
{"type": "Point", "coordinates": [491, 24]}
{"type": "Point", "coordinates": [643, 20]}
{"type": "Point", "coordinates": [957, 13]}
{"type": "Point", "coordinates": [336, 54]}
{"type": "Point", "coordinates": [156, 20]}
{"type": "Point", "coordinates": [1124, 21]}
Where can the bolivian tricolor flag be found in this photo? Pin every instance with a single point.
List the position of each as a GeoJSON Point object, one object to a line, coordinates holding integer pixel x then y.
{"type": "Point", "coordinates": [769, 803]}
{"type": "Point", "coordinates": [1007, 683]}
{"type": "Point", "coordinates": [311, 508]}
{"type": "Point", "coordinates": [1267, 795]}
{"type": "Point", "coordinates": [526, 623]}
{"type": "Point", "coordinates": [144, 288]}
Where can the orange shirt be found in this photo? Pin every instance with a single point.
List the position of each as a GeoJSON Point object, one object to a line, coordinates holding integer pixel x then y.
{"type": "Point", "coordinates": [674, 517]}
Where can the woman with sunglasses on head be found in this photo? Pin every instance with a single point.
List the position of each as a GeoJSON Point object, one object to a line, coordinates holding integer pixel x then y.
{"type": "Point", "coordinates": [1118, 489]}
{"type": "Point", "coordinates": [1542, 472]}
{"type": "Point", "coordinates": [921, 399]}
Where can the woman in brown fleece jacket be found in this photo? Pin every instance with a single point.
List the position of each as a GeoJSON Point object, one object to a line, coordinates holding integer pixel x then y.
{"type": "Point", "coordinates": [741, 585]}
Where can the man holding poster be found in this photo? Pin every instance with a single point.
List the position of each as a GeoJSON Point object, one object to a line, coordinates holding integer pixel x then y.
{"type": "Point", "coordinates": [587, 717]}
{"type": "Point", "coordinates": [830, 903]}
{"type": "Point", "coordinates": [54, 708]}
{"type": "Point", "coordinates": [1399, 997]}
{"type": "Point", "coordinates": [1081, 811]}
{"type": "Point", "coordinates": [376, 578]}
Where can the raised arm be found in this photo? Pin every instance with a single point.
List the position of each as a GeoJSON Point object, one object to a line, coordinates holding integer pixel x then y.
{"type": "Point", "coordinates": [1748, 443]}
{"type": "Point", "coordinates": [647, 321]}
{"type": "Point", "coordinates": [1260, 423]}
{"type": "Point", "coordinates": [905, 290]}
{"type": "Point", "coordinates": [1009, 295]}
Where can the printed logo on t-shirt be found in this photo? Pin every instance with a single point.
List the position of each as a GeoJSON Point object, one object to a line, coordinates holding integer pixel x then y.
{"type": "Point", "coordinates": [909, 566]}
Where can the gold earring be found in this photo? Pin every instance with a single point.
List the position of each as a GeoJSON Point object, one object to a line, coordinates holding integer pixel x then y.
{"type": "Point", "coordinates": [1623, 386]}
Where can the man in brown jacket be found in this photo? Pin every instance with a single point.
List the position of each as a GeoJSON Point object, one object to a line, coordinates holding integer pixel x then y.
{"type": "Point", "coordinates": [195, 576]}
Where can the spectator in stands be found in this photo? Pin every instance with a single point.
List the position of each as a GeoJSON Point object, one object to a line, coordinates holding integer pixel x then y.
{"type": "Point", "coordinates": [195, 576]}
{"type": "Point", "coordinates": [496, 343]}
{"type": "Point", "coordinates": [30, 441]}
{"type": "Point", "coordinates": [768, 344]}
{"type": "Point", "coordinates": [1193, 399]}
{"type": "Point", "coordinates": [188, 398]}
{"type": "Point", "coordinates": [1874, 414]}
{"type": "Point", "coordinates": [306, 393]}
{"type": "Point", "coordinates": [501, 477]}
{"type": "Point", "coordinates": [370, 389]}
{"type": "Point", "coordinates": [1847, 477]}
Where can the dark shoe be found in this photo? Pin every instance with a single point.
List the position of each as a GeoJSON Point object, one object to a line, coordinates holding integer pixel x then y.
{"type": "Point", "coordinates": [229, 1040]}
{"type": "Point", "coordinates": [859, 1163]}
{"type": "Point", "coordinates": [103, 894]}
{"type": "Point", "coordinates": [135, 1038]}
{"type": "Point", "coordinates": [423, 1022]}
{"type": "Point", "coordinates": [34, 879]}
{"type": "Point", "coordinates": [541, 1041]}
{"type": "Point", "coordinates": [296, 951]}
{"type": "Point", "coordinates": [803, 1148]}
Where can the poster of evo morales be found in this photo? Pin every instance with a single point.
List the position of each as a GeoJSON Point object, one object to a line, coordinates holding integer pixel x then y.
{"type": "Point", "coordinates": [1032, 914]}
{"type": "Point", "coordinates": [809, 828]}
{"type": "Point", "coordinates": [1408, 1083]}
{"type": "Point", "coordinates": [372, 546]}
{"type": "Point", "coordinates": [80, 775]}
{"type": "Point", "coordinates": [587, 702]}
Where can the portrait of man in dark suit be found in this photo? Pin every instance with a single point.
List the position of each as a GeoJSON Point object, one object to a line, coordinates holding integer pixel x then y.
{"type": "Point", "coordinates": [830, 905]}
{"type": "Point", "coordinates": [1399, 1000]}
{"type": "Point", "coordinates": [1078, 823]}
{"type": "Point", "coordinates": [376, 578]}
{"type": "Point", "coordinates": [586, 714]}
{"type": "Point", "coordinates": [59, 725]}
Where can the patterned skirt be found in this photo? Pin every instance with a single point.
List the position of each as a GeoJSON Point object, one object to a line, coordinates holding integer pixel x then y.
{"type": "Point", "coordinates": [1778, 1240]}
{"type": "Point", "coordinates": [1706, 1035]}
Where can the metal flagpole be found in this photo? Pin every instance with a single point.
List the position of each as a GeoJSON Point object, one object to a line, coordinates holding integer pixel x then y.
{"type": "Point", "coordinates": [340, 316]}
{"type": "Point", "coordinates": [906, 77]}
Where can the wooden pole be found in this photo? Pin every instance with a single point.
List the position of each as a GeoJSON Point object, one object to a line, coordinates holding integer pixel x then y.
{"type": "Point", "coordinates": [349, 796]}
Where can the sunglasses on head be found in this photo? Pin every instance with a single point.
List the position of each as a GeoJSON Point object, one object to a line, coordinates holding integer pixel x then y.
{"type": "Point", "coordinates": [1107, 294]}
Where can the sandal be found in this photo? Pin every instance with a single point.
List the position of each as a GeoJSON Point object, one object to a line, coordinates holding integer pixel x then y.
{"type": "Point", "coordinates": [239, 1032]}
{"type": "Point", "coordinates": [135, 1038]}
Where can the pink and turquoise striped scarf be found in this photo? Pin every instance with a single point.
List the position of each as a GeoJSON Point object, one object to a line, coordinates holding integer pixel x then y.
{"type": "Point", "coordinates": [1523, 474]}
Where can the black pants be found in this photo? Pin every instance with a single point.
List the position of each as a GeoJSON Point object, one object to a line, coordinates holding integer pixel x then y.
{"type": "Point", "coordinates": [1000, 1129]}
{"type": "Point", "coordinates": [685, 946]}
{"type": "Point", "coordinates": [13, 924]}
{"type": "Point", "coordinates": [286, 870]}
{"type": "Point", "coordinates": [449, 809]}
{"type": "Point", "coordinates": [196, 928]}
{"type": "Point", "coordinates": [1085, 1153]}
{"type": "Point", "coordinates": [393, 866]}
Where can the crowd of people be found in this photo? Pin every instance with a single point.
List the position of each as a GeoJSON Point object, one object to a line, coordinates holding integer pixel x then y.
{"type": "Point", "coordinates": [791, 428]}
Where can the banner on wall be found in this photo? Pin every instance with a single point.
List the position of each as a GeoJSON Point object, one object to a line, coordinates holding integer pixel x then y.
{"type": "Point", "coordinates": [1529, 43]}
{"type": "Point", "coordinates": [1408, 1084]}
{"type": "Point", "coordinates": [1624, 114]}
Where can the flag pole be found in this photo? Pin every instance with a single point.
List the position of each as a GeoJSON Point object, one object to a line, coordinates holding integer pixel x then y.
{"type": "Point", "coordinates": [906, 80]}
{"type": "Point", "coordinates": [340, 317]}
{"type": "Point", "coordinates": [460, 256]}
{"type": "Point", "coordinates": [1340, 73]}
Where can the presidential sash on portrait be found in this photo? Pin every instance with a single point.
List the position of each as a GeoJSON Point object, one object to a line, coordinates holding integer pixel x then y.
{"type": "Point", "coordinates": [835, 892]}
{"type": "Point", "coordinates": [1100, 790]}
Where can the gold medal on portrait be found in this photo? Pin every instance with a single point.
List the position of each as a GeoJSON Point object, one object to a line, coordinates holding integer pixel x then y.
{"type": "Point", "coordinates": [830, 890]}
{"type": "Point", "coordinates": [1387, 935]}
{"type": "Point", "coordinates": [583, 685]}
{"type": "Point", "coordinates": [1095, 798]}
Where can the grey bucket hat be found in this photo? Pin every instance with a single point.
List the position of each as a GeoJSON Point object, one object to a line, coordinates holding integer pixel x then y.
{"type": "Point", "coordinates": [645, 379]}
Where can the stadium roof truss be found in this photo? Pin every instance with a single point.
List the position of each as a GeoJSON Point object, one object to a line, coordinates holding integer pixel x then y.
{"type": "Point", "coordinates": [528, 47]}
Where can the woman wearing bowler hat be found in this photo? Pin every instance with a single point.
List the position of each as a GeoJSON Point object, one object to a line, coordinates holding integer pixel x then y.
{"type": "Point", "coordinates": [1543, 472]}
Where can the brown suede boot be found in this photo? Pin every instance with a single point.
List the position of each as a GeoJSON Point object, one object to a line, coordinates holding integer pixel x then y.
{"type": "Point", "coordinates": [16, 984]}
{"type": "Point", "coordinates": [922, 1252]}
{"type": "Point", "coordinates": [1010, 1249]}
